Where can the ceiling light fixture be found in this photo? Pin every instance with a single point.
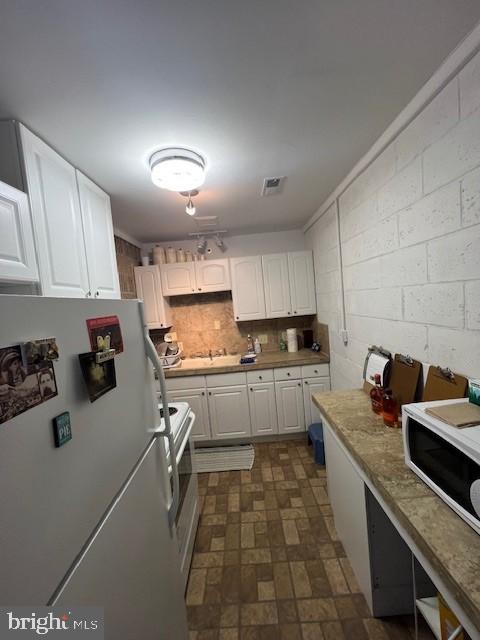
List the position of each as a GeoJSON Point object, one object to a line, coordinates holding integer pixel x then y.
{"type": "Point", "coordinates": [190, 208]}
{"type": "Point", "coordinates": [177, 169]}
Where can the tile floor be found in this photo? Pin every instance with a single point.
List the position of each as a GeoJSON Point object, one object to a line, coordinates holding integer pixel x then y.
{"type": "Point", "coordinates": [267, 562]}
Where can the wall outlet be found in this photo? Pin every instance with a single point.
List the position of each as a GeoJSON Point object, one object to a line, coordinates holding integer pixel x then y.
{"type": "Point", "coordinates": [216, 324]}
{"type": "Point", "coordinates": [263, 338]}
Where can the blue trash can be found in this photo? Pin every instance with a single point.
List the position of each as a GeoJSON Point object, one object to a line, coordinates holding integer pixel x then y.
{"type": "Point", "coordinates": [315, 437]}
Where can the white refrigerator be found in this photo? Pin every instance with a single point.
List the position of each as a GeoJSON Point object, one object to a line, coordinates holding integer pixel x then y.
{"type": "Point", "coordinates": [87, 523]}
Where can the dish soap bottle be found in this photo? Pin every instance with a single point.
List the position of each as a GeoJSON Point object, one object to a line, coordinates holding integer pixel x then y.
{"type": "Point", "coordinates": [257, 346]}
{"type": "Point", "coordinates": [390, 409]}
{"type": "Point", "coordinates": [250, 345]}
{"type": "Point", "coordinates": [376, 395]}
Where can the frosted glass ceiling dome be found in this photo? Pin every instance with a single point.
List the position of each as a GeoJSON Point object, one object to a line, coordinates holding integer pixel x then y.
{"type": "Point", "coordinates": [177, 169]}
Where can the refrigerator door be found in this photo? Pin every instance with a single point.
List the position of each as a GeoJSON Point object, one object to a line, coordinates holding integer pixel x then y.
{"type": "Point", "coordinates": [52, 499]}
{"type": "Point", "coordinates": [132, 566]}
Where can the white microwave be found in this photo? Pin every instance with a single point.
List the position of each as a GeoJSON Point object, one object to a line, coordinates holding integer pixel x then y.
{"type": "Point", "coordinates": [447, 459]}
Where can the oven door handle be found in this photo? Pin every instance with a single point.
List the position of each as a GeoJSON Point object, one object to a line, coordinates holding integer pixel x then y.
{"type": "Point", "coordinates": [191, 419]}
{"type": "Point", "coordinates": [152, 355]}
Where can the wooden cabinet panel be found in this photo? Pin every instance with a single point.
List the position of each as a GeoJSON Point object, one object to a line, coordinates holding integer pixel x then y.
{"type": "Point", "coordinates": [149, 289]}
{"type": "Point", "coordinates": [290, 412]}
{"type": "Point", "coordinates": [197, 399]}
{"type": "Point", "coordinates": [277, 287]}
{"type": "Point", "coordinates": [311, 386]}
{"type": "Point", "coordinates": [263, 410]}
{"type": "Point", "coordinates": [178, 279]}
{"type": "Point", "coordinates": [247, 288]}
{"type": "Point", "coordinates": [302, 283]}
{"type": "Point", "coordinates": [212, 275]}
{"type": "Point", "coordinates": [229, 412]}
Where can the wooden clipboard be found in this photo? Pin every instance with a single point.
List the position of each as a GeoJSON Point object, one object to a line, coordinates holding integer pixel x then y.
{"type": "Point", "coordinates": [404, 379]}
{"type": "Point", "coordinates": [443, 384]}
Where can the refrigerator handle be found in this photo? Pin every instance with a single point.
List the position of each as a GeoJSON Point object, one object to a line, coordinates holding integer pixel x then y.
{"type": "Point", "coordinates": [152, 355]}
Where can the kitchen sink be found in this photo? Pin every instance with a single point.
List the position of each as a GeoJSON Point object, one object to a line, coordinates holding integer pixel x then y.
{"type": "Point", "coordinates": [217, 361]}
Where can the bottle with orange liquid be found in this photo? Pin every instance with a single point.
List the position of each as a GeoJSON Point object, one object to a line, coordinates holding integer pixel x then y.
{"type": "Point", "coordinates": [390, 409]}
{"type": "Point", "coordinates": [376, 395]}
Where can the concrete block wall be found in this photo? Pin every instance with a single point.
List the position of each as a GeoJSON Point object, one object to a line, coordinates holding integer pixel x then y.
{"type": "Point", "coordinates": [410, 240]}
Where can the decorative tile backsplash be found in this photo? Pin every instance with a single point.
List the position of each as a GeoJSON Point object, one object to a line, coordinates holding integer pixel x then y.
{"type": "Point", "coordinates": [128, 256]}
{"type": "Point", "coordinates": [206, 322]}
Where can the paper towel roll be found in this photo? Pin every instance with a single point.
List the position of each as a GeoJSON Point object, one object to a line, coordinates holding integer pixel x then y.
{"type": "Point", "coordinates": [292, 341]}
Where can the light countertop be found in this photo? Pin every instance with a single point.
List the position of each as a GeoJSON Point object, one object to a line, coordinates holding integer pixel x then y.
{"type": "Point", "coordinates": [448, 543]}
{"type": "Point", "coordinates": [231, 364]}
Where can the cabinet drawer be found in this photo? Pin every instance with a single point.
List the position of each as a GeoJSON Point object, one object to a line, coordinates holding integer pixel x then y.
{"type": "Point", "coordinates": [314, 370]}
{"type": "Point", "coordinates": [287, 373]}
{"type": "Point", "coordinates": [185, 382]}
{"type": "Point", "coordinates": [264, 375]}
{"type": "Point", "coordinates": [226, 379]}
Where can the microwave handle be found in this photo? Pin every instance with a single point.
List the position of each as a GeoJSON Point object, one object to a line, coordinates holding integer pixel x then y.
{"type": "Point", "coordinates": [152, 355]}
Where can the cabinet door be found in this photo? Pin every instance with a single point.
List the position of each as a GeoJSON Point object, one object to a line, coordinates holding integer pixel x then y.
{"type": "Point", "coordinates": [229, 412]}
{"type": "Point", "coordinates": [302, 283]}
{"type": "Point", "coordinates": [57, 221]}
{"type": "Point", "coordinates": [17, 250]}
{"type": "Point", "coordinates": [277, 287]}
{"type": "Point", "coordinates": [263, 410]}
{"type": "Point", "coordinates": [212, 275]}
{"type": "Point", "coordinates": [197, 399]}
{"type": "Point", "coordinates": [289, 397]}
{"type": "Point", "coordinates": [149, 289]}
{"type": "Point", "coordinates": [247, 288]}
{"type": "Point", "coordinates": [178, 279]}
{"type": "Point", "coordinates": [99, 240]}
{"type": "Point", "coordinates": [311, 386]}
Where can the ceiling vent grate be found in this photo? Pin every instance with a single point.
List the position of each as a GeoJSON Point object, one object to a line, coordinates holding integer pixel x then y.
{"type": "Point", "coordinates": [272, 186]}
{"type": "Point", "coordinates": [206, 223]}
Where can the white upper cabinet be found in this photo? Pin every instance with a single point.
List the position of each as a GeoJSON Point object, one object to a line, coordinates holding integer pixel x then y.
{"type": "Point", "coordinates": [302, 283]}
{"type": "Point", "coordinates": [178, 279]}
{"type": "Point", "coordinates": [17, 250]}
{"type": "Point", "coordinates": [247, 288]}
{"type": "Point", "coordinates": [99, 240]}
{"type": "Point", "coordinates": [57, 220]}
{"type": "Point", "coordinates": [212, 275]}
{"type": "Point", "coordinates": [149, 289]}
{"type": "Point", "coordinates": [277, 287]}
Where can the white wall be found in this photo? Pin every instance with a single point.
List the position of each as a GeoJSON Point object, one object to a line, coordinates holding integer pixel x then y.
{"type": "Point", "coordinates": [410, 240]}
{"type": "Point", "coordinates": [244, 245]}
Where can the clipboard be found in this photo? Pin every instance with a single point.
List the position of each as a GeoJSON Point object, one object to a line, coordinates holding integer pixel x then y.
{"type": "Point", "coordinates": [404, 379]}
{"type": "Point", "coordinates": [443, 384]}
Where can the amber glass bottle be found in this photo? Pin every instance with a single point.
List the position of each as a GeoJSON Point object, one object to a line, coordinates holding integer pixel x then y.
{"type": "Point", "coordinates": [376, 395]}
{"type": "Point", "coordinates": [390, 409]}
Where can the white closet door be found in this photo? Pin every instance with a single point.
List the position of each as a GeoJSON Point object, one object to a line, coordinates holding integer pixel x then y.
{"type": "Point", "coordinates": [57, 221]}
{"type": "Point", "coordinates": [17, 250]}
{"type": "Point", "coordinates": [302, 283]}
{"type": "Point", "coordinates": [277, 287]}
{"type": "Point", "coordinates": [99, 239]}
{"type": "Point", "coordinates": [247, 288]}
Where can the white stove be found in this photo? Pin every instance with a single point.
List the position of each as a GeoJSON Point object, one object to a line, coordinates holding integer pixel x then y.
{"type": "Point", "coordinates": [182, 419]}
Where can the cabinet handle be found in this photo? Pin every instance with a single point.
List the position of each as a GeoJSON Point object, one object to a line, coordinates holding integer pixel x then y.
{"type": "Point", "coordinates": [288, 374]}
{"type": "Point", "coordinates": [209, 393]}
{"type": "Point", "coordinates": [294, 312]}
{"type": "Point", "coordinates": [88, 294]}
{"type": "Point", "coordinates": [306, 381]}
{"type": "Point", "coordinates": [315, 371]}
{"type": "Point", "coordinates": [199, 288]}
{"type": "Point", "coordinates": [96, 294]}
{"type": "Point", "coordinates": [251, 388]}
{"type": "Point", "coordinates": [289, 312]}
{"type": "Point", "coordinates": [193, 290]}
{"type": "Point", "coordinates": [260, 377]}
{"type": "Point", "coordinates": [299, 384]}
{"type": "Point", "coordinates": [203, 393]}
{"type": "Point", "coordinates": [237, 317]}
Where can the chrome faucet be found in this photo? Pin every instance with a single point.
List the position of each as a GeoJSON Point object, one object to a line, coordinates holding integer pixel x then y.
{"type": "Point", "coordinates": [210, 354]}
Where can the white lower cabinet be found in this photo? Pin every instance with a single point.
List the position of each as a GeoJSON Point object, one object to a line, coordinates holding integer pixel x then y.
{"type": "Point", "coordinates": [311, 386]}
{"type": "Point", "coordinates": [290, 412]}
{"type": "Point", "coordinates": [263, 409]}
{"type": "Point", "coordinates": [229, 412]}
{"type": "Point", "coordinates": [197, 399]}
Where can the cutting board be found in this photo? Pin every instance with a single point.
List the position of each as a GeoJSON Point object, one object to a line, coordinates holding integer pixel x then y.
{"type": "Point", "coordinates": [459, 414]}
{"type": "Point", "coordinates": [440, 386]}
{"type": "Point", "coordinates": [404, 379]}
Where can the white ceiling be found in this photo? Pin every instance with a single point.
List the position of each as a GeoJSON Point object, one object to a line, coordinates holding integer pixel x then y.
{"type": "Point", "coordinates": [261, 87]}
